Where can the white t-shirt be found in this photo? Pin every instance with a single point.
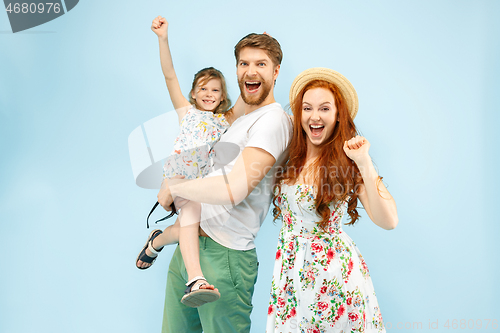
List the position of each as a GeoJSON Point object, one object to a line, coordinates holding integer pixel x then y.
{"type": "Point", "coordinates": [268, 128]}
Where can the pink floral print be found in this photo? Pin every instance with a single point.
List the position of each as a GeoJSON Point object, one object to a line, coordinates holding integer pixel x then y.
{"type": "Point", "coordinates": [321, 283]}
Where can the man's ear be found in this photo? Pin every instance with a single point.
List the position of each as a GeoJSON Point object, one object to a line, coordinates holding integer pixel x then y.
{"type": "Point", "coordinates": [276, 72]}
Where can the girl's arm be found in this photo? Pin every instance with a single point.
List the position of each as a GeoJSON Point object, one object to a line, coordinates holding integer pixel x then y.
{"type": "Point", "coordinates": [181, 104]}
{"type": "Point", "coordinates": [376, 199]}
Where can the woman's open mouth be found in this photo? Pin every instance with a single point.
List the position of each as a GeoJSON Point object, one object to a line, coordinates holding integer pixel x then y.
{"type": "Point", "coordinates": [316, 130]}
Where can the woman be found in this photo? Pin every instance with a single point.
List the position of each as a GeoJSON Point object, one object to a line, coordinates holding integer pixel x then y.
{"type": "Point", "coordinates": [321, 282]}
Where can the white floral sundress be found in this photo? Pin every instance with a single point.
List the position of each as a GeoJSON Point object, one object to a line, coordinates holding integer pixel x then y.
{"type": "Point", "coordinates": [320, 282]}
{"type": "Point", "coordinates": [193, 155]}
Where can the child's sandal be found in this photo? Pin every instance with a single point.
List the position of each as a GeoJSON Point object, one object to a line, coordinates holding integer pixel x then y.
{"type": "Point", "coordinates": [195, 297]}
{"type": "Point", "coordinates": [149, 245]}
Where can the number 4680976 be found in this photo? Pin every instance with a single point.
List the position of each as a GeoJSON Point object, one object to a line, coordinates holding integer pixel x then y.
{"type": "Point", "coordinates": [33, 8]}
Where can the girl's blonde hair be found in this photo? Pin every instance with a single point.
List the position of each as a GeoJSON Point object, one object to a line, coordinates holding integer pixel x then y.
{"type": "Point", "coordinates": [205, 75]}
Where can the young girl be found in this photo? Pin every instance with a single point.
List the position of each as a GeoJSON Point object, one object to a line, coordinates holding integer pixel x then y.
{"type": "Point", "coordinates": [321, 282]}
{"type": "Point", "coordinates": [201, 127]}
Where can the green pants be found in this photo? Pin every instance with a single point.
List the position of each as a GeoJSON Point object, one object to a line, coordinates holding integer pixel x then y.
{"type": "Point", "coordinates": [233, 272]}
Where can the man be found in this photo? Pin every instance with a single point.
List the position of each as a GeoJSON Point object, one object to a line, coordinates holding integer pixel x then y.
{"type": "Point", "coordinates": [234, 199]}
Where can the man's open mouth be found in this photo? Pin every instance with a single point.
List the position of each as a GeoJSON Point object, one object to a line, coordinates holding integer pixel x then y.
{"type": "Point", "coordinates": [252, 86]}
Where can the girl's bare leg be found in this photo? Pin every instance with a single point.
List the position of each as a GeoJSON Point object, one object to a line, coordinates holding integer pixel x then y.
{"type": "Point", "coordinates": [188, 240]}
{"type": "Point", "coordinates": [184, 231]}
{"type": "Point", "coordinates": [169, 236]}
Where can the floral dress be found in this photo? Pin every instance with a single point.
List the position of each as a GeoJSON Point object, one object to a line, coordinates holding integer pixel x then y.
{"type": "Point", "coordinates": [320, 282]}
{"type": "Point", "coordinates": [193, 155]}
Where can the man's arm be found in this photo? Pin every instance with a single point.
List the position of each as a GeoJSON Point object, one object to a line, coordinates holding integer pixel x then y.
{"type": "Point", "coordinates": [236, 111]}
{"type": "Point", "coordinates": [249, 169]}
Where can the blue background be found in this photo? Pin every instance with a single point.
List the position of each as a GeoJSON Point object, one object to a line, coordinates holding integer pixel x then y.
{"type": "Point", "coordinates": [72, 90]}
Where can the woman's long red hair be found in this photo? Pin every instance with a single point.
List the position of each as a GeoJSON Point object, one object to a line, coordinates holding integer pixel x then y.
{"type": "Point", "coordinates": [336, 176]}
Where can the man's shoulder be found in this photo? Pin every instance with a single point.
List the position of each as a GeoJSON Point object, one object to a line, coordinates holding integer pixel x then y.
{"type": "Point", "coordinates": [274, 118]}
{"type": "Point", "coordinates": [273, 107]}
{"type": "Point", "coordinates": [273, 110]}
{"type": "Point", "coordinates": [279, 114]}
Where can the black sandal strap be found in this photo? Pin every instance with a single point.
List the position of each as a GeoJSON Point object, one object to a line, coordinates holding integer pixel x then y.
{"type": "Point", "coordinates": [174, 211]}
{"type": "Point", "coordinates": [172, 206]}
{"type": "Point", "coordinates": [143, 255]}
{"type": "Point", "coordinates": [145, 258]}
{"type": "Point", "coordinates": [151, 212]}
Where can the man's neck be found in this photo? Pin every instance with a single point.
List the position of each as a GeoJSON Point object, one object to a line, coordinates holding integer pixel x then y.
{"type": "Point", "coordinates": [250, 108]}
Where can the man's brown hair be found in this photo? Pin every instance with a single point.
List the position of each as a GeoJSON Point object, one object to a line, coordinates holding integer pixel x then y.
{"type": "Point", "coordinates": [261, 41]}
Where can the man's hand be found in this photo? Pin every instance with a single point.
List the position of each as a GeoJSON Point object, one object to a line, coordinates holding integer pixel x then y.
{"type": "Point", "coordinates": [160, 27]}
{"type": "Point", "coordinates": [165, 198]}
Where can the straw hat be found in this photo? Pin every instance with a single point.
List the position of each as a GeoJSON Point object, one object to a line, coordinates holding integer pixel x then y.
{"type": "Point", "coordinates": [326, 74]}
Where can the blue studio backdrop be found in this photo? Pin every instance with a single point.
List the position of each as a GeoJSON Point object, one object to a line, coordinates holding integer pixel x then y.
{"type": "Point", "coordinates": [72, 220]}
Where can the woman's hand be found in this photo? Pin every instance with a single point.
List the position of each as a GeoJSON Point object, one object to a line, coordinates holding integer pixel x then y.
{"type": "Point", "coordinates": [160, 27]}
{"type": "Point", "coordinates": [374, 196]}
{"type": "Point", "coordinates": [357, 149]}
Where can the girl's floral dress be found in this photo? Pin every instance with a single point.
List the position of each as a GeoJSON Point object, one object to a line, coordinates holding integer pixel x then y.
{"type": "Point", "coordinates": [320, 282]}
{"type": "Point", "coordinates": [193, 155]}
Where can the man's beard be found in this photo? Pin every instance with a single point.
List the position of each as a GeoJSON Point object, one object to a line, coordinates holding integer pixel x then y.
{"type": "Point", "coordinates": [265, 89]}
